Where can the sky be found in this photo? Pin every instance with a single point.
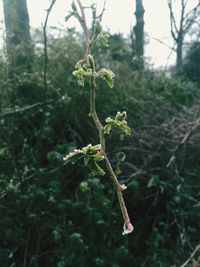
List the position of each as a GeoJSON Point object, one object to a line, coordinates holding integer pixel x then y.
{"type": "Point", "coordinates": [118, 18]}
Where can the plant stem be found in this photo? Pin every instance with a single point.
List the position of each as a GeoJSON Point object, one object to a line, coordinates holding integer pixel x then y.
{"type": "Point", "coordinates": [119, 191]}
{"type": "Point", "coordinates": [127, 225]}
{"type": "Point", "coordinates": [100, 129]}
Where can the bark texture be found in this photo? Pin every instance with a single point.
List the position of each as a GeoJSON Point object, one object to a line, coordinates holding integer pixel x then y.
{"type": "Point", "coordinates": [18, 40]}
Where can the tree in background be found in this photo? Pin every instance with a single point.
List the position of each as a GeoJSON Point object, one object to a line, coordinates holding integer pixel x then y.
{"type": "Point", "coordinates": [191, 67]}
{"type": "Point", "coordinates": [18, 40]}
{"type": "Point", "coordinates": [180, 28]}
{"type": "Point", "coordinates": [138, 34]}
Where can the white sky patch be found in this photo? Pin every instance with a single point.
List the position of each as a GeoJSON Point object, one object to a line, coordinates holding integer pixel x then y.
{"type": "Point", "coordinates": [118, 18]}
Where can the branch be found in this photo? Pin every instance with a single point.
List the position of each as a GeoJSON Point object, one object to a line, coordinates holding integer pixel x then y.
{"type": "Point", "coordinates": [173, 25]}
{"type": "Point", "coordinates": [26, 108]}
{"type": "Point", "coordinates": [108, 164]}
{"type": "Point", "coordinates": [45, 47]}
{"type": "Point", "coordinates": [32, 176]}
{"type": "Point", "coordinates": [190, 18]}
{"type": "Point", "coordinates": [102, 12]}
{"type": "Point", "coordinates": [128, 228]}
{"type": "Point", "coordinates": [195, 126]}
{"type": "Point", "coordinates": [183, 6]}
{"type": "Point", "coordinates": [185, 139]}
{"type": "Point", "coordinates": [191, 256]}
{"type": "Point", "coordinates": [84, 25]}
{"type": "Point", "coordinates": [161, 42]}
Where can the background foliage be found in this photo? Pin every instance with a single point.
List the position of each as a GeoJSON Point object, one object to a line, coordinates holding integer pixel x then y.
{"type": "Point", "coordinates": [59, 215]}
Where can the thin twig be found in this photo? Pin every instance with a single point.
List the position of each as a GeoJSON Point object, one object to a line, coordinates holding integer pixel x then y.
{"type": "Point", "coordinates": [45, 47]}
{"type": "Point", "coordinates": [23, 109]}
{"type": "Point", "coordinates": [84, 25]}
{"type": "Point", "coordinates": [191, 256]}
{"type": "Point", "coordinates": [102, 12]}
{"type": "Point", "coordinates": [184, 140]}
{"type": "Point", "coordinates": [32, 176]}
{"type": "Point", "coordinates": [127, 224]}
{"type": "Point", "coordinates": [161, 42]}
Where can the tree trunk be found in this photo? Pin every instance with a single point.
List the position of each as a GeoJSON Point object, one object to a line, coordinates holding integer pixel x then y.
{"type": "Point", "coordinates": [138, 41]}
{"type": "Point", "coordinates": [18, 40]}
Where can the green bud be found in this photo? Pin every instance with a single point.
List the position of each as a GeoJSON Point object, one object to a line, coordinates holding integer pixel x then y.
{"type": "Point", "coordinates": [119, 122]}
{"type": "Point", "coordinates": [121, 115]}
{"type": "Point", "coordinates": [91, 62]}
{"type": "Point", "coordinates": [78, 73]}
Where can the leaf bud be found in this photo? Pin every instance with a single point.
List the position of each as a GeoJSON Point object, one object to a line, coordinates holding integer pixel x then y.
{"type": "Point", "coordinates": [91, 62]}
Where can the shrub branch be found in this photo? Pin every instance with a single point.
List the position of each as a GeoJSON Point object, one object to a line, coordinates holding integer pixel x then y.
{"type": "Point", "coordinates": [86, 70]}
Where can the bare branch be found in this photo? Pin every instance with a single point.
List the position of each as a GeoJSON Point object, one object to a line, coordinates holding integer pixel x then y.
{"type": "Point", "coordinates": [45, 47]}
{"type": "Point", "coordinates": [190, 18]}
{"type": "Point", "coordinates": [182, 18]}
{"type": "Point", "coordinates": [102, 12]}
{"type": "Point", "coordinates": [23, 109]}
{"type": "Point", "coordinates": [84, 25]}
{"type": "Point", "coordinates": [174, 28]}
{"type": "Point", "coordinates": [161, 42]}
{"type": "Point", "coordinates": [191, 256]}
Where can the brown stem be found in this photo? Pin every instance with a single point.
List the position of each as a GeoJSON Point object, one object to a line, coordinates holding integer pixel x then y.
{"type": "Point", "coordinates": [100, 128]}
{"type": "Point", "coordinates": [127, 225]}
{"type": "Point", "coordinates": [119, 191]}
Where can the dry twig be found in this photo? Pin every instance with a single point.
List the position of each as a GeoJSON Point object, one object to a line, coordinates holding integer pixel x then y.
{"type": "Point", "coordinates": [191, 256]}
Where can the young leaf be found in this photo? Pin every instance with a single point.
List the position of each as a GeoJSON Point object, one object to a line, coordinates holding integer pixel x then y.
{"type": "Point", "coordinates": [119, 122]}
{"type": "Point", "coordinates": [96, 169]}
{"type": "Point", "coordinates": [103, 38]}
{"type": "Point", "coordinates": [107, 75]}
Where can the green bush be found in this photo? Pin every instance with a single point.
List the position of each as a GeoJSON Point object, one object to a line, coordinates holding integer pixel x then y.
{"type": "Point", "coordinates": [58, 215]}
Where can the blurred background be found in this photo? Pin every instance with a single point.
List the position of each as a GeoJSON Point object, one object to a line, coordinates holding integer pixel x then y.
{"type": "Point", "coordinates": [54, 214]}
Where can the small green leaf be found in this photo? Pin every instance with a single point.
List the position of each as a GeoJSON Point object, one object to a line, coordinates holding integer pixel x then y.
{"type": "Point", "coordinates": [95, 148]}
{"type": "Point", "coordinates": [121, 116]}
{"type": "Point", "coordinates": [107, 75]}
{"type": "Point", "coordinates": [96, 169]}
{"type": "Point", "coordinates": [109, 120]}
{"type": "Point", "coordinates": [98, 158]}
{"type": "Point", "coordinates": [85, 149]}
{"type": "Point", "coordinates": [79, 64]}
{"type": "Point", "coordinates": [89, 154]}
{"type": "Point", "coordinates": [107, 128]}
{"type": "Point", "coordinates": [119, 122]}
{"type": "Point", "coordinates": [81, 74]}
{"type": "Point", "coordinates": [91, 62]}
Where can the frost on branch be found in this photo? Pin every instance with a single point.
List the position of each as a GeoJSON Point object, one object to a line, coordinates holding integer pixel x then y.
{"type": "Point", "coordinates": [107, 75]}
{"type": "Point", "coordinates": [128, 228]}
{"type": "Point", "coordinates": [118, 122]}
{"type": "Point", "coordinates": [91, 155]}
